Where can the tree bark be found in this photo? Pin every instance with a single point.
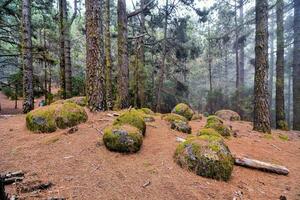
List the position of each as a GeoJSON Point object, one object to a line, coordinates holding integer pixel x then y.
{"type": "Point", "coordinates": [95, 68]}
{"type": "Point", "coordinates": [62, 61]}
{"type": "Point", "coordinates": [123, 71]}
{"type": "Point", "coordinates": [108, 60]}
{"type": "Point", "coordinates": [261, 104]}
{"type": "Point", "coordinates": [28, 103]}
{"type": "Point", "coordinates": [236, 49]}
{"type": "Point", "coordinates": [280, 112]}
{"type": "Point", "coordinates": [242, 46]}
{"type": "Point", "coordinates": [271, 69]}
{"type": "Point", "coordinates": [296, 67]}
{"type": "Point", "coordinates": [163, 65]}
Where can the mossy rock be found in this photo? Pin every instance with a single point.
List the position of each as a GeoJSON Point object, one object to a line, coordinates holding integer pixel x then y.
{"type": "Point", "coordinates": [214, 119]}
{"type": "Point", "coordinates": [181, 126]}
{"type": "Point", "coordinates": [228, 115]}
{"type": "Point", "coordinates": [183, 110]}
{"type": "Point", "coordinates": [59, 115]}
{"type": "Point", "coordinates": [208, 131]}
{"type": "Point", "coordinates": [222, 129]}
{"type": "Point", "coordinates": [133, 118]}
{"type": "Point", "coordinates": [205, 156]}
{"type": "Point", "coordinates": [41, 120]}
{"type": "Point", "coordinates": [171, 117]}
{"type": "Point", "coordinates": [81, 101]}
{"type": "Point", "coordinates": [197, 116]}
{"type": "Point", "coordinates": [146, 117]}
{"type": "Point", "coordinates": [147, 111]}
{"type": "Point", "coordinates": [70, 114]}
{"type": "Point", "coordinates": [123, 138]}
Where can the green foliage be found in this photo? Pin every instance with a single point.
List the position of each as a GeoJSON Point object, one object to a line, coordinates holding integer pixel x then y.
{"type": "Point", "coordinates": [282, 125]}
{"type": "Point", "coordinates": [133, 118]}
{"type": "Point", "coordinates": [206, 156]}
{"type": "Point", "coordinates": [216, 100]}
{"type": "Point", "coordinates": [124, 138]}
{"type": "Point", "coordinates": [183, 110]}
{"type": "Point", "coordinates": [78, 86]}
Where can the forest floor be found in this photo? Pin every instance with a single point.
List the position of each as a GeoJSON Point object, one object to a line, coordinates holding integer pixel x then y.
{"type": "Point", "coordinates": [80, 167]}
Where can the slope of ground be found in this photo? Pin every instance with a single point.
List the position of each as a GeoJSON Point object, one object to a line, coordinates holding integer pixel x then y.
{"type": "Point", "coordinates": [81, 167]}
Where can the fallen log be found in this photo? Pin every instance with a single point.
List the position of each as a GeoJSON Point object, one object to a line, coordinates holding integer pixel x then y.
{"type": "Point", "coordinates": [255, 164]}
{"type": "Point", "coordinates": [260, 165]}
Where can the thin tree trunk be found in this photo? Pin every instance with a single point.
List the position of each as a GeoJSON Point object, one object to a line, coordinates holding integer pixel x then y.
{"type": "Point", "coordinates": [280, 112]}
{"type": "Point", "coordinates": [237, 83]}
{"type": "Point", "coordinates": [163, 66]}
{"type": "Point", "coordinates": [68, 62]}
{"type": "Point", "coordinates": [242, 46]}
{"type": "Point", "coordinates": [296, 67]}
{"type": "Point", "coordinates": [108, 63]}
{"type": "Point", "coordinates": [123, 71]}
{"type": "Point", "coordinates": [142, 76]}
{"type": "Point", "coordinates": [290, 77]}
{"type": "Point", "coordinates": [62, 62]}
{"type": "Point", "coordinates": [28, 103]}
{"type": "Point", "coordinates": [95, 68]}
{"type": "Point", "coordinates": [271, 70]}
{"type": "Point", "coordinates": [261, 104]}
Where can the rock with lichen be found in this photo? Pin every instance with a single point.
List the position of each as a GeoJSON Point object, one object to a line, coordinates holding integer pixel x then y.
{"type": "Point", "coordinates": [218, 125]}
{"type": "Point", "coordinates": [206, 156]}
{"type": "Point", "coordinates": [197, 116]}
{"type": "Point", "coordinates": [61, 115]}
{"type": "Point", "coordinates": [183, 110]}
{"type": "Point", "coordinates": [181, 126]}
{"type": "Point", "coordinates": [228, 115]}
{"type": "Point", "coordinates": [132, 117]}
{"type": "Point", "coordinates": [123, 138]}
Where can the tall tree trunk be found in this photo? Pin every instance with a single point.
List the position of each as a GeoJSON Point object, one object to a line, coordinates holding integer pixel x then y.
{"type": "Point", "coordinates": [123, 71]}
{"type": "Point", "coordinates": [237, 82]}
{"type": "Point", "coordinates": [62, 62]}
{"type": "Point", "coordinates": [261, 104]}
{"type": "Point", "coordinates": [28, 103]}
{"type": "Point", "coordinates": [68, 62]}
{"type": "Point", "coordinates": [141, 55]}
{"type": "Point", "coordinates": [271, 69]}
{"type": "Point", "coordinates": [280, 112]}
{"type": "Point", "coordinates": [289, 103]}
{"type": "Point", "coordinates": [163, 65]}
{"type": "Point", "coordinates": [108, 61]}
{"type": "Point", "coordinates": [296, 67]}
{"type": "Point", "coordinates": [95, 68]}
{"type": "Point", "coordinates": [242, 46]}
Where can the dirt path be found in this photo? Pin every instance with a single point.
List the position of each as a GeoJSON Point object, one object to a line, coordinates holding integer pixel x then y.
{"type": "Point", "coordinates": [82, 168]}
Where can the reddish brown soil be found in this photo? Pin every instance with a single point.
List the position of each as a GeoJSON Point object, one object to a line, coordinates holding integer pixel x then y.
{"type": "Point", "coordinates": [80, 167]}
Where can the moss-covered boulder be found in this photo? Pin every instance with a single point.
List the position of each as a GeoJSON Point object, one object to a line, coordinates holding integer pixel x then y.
{"type": "Point", "coordinates": [206, 156]}
{"type": "Point", "coordinates": [133, 118]}
{"type": "Point", "coordinates": [70, 114]}
{"type": "Point", "coordinates": [214, 119]}
{"type": "Point", "coordinates": [59, 115]}
{"type": "Point", "coordinates": [123, 138]}
{"type": "Point", "coordinates": [208, 131]}
{"type": "Point", "coordinates": [81, 101]}
{"type": "Point", "coordinates": [222, 129]}
{"type": "Point", "coordinates": [197, 116]}
{"type": "Point", "coordinates": [183, 110]}
{"type": "Point", "coordinates": [228, 115]}
{"type": "Point", "coordinates": [42, 120]}
{"type": "Point", "coordinates": [181, 126]}
{"type": "Point", "coordinates": [171, 117]}
{"type": "Point", "coordinates": [147, 111]}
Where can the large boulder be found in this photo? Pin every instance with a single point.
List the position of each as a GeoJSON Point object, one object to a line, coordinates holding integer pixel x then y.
{"type": "Point", "coordinates": [171, 117]}
{"type": "Point", "coordinates": [183, 110]}
{"type": "Point", "coordinates": [132, 117]}
{"type": "Point", "coordinates": [181, 126]}
{"type": "Point", "coordinates": [61, 115]}
{"type": "Point", "coordinates": [206, 156]}
{"type": "Point", "coordinates": [123, 138]}
{"type": "Point", "coordinates": [217, 124]}
{"type": "Point", "coordinates": [197, 116]}
{"type": "Point", "coordinates": [81, 101]}
{"type": "Point", "coordinates": [228, 115]}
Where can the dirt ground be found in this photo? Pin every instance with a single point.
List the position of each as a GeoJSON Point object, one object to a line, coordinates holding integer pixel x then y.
{"type": "Point", "coordinates": [80, 167]}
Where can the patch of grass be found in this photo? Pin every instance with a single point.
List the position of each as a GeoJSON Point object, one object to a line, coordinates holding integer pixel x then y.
{"type": "Point", "coordinates": [51, 140]}
{"type": "Point", "coordinates": [268, 136]}
{"type": "Point", "coordinates": [283, 137]}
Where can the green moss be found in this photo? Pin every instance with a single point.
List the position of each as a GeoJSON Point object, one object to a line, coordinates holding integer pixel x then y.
{"type": "Point", "coordinates": [211, 138]}
{"type": "Point", "coordinates": [132, 117]}
{"type": "Point", "coordinates": [283, 137]}
{"type": "Point", "coordinates": [214, 119]}
{"type": "Point", "coordinates": [70, 114]}
{"type": "Point", "coordinates": [81, 101]}
{"type": "Point", "coordinates": [123, 138]}
{"type": "Point", "coordinates": [282, 125]}
{"type": "Point", "coordinates": [147, 111]}
{"type": "Point", "coordinates": [267, 136]}
{"type": "Point", "coordinates": [211, 159]}
{"type": "Point", "coordinates": [220, 128]}
{"type": "Point", "coordinates": [171, 117]}
{"type": "Point", "coordinates": [41, 120]}
{"type": "Point", "coordinates": [208, 131]}
{"type": "Point", "coordinates": [183, 110]}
